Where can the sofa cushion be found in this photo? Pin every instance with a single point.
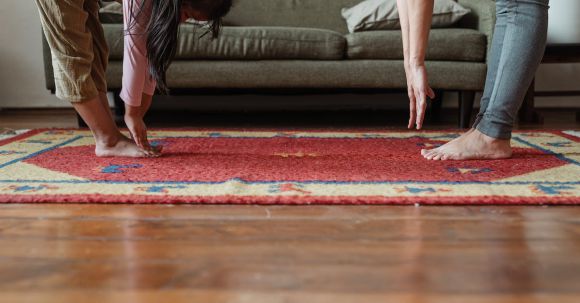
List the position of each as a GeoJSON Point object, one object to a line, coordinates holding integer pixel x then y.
{"type": "Point", "coordinates": [111, 12]}
{"type": "Point", "coordinates": [384, 74]}
{"type": "Point", "coordinates": [248, 43]}
{"type": "Point", "coordinates": [449, 44]}
{"type": "Point", "coordinates": [324, 14]}
{"type": "Point", "coordinates": [384, 15]}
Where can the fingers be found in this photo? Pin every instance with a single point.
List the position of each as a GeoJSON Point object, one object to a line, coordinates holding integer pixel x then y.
{"type": "Point", "coordinates": [143, 142]}
{"type": "Point", "coordinates": [137, 135]}
{"type": "Point", "coordinates": [140, 138]}
{"type": "Point", "coordinates": [421, 106]}
{"type": "Point", "coordinates": [412, 109]}
{"type": "Point", "coordinates": [430, 93]}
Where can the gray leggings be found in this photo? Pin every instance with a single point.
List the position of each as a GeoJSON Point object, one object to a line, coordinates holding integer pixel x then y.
{"type": "Point", "coordinates": [517, 48]}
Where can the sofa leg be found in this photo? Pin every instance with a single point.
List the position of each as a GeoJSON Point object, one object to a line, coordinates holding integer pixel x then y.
{"type": "Point", "coordinates": [119, 109]}
{"type": "Point", "coordinates": [466, 100]}
{"type": "Point", "coordinates": [435, 107]}
{"type": "Point", "coordinates": [527, 112]}
{"type": "Point", "coordinates": [81, 123]}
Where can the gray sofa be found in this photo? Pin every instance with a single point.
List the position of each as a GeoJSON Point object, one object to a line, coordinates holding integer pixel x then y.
{"type": "Point", "coordinates": [304, 45]}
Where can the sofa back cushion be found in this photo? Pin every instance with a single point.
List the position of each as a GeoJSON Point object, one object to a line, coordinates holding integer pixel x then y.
{"type": "Point", "coordinates": [324, 14]}
{"type": "Point", "coordinates": [246, 43]}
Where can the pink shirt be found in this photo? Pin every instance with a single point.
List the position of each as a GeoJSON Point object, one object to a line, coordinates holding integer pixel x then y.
{"type": "Point", "coordinates": [136, 78]}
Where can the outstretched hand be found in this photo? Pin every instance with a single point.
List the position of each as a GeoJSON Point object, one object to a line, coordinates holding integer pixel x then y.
{"type": "Point", "coordinates": [134, 120]}
{"type": "Point", "coordinates": [418, 90]}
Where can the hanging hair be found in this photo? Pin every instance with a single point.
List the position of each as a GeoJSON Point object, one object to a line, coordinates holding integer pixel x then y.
{"type": "Point", "coordinates": [163, 30]}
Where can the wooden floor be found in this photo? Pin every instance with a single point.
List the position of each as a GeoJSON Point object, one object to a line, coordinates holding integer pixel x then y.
{"type": "Point", "coordinates": [159, 253]}
{"type": "Point", "coordinates": [187, 253]}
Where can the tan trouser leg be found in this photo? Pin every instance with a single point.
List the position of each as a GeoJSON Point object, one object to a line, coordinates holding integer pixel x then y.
{"type": "Point", "coordinates": [64, 23]}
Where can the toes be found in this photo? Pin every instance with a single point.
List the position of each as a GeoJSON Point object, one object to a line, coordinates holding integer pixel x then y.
{"type": "Point", "coordinates": [151, 153]}
{"type": "Point", "coordinates": [437, 157]}
{"type": "Point", "coordinates": [431, 154]}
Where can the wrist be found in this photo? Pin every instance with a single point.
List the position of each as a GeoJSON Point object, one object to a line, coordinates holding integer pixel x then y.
{"type": "Point", "coordinates": [416, 62]}
{"type": "Point", "coordinates": [132, 111]}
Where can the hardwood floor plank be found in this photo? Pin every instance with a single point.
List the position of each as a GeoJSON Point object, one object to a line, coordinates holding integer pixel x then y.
{"type": "Point", "coordinates": [233, 296]}
{"type": "Point", "coordinates": [155, 212]}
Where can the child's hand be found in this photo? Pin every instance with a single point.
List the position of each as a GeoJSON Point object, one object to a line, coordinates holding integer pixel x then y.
{"type": "Point", "coordinates": [134, 120]}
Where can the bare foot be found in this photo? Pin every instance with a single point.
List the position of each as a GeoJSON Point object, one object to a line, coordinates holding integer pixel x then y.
{"type": "Point", "coordinates": [471, 145]}
{"type": "Point", "coordinates": [123, 147]}
{"type": "Point", "coordinates": [428, 153]}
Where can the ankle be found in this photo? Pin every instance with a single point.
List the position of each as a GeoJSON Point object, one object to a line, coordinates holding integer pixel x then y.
{"type": "Point", "coordinates": [108, 140]}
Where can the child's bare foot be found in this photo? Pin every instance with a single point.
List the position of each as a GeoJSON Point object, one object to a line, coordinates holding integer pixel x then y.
{"type": "Point", "coordinates": [472, 145]}
{"type": "Point", "coordinates": [123, 147]}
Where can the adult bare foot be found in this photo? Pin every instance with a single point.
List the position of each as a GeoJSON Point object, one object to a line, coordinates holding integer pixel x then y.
{"type": "Point", "coordinates": [121, 147]}
{"type": "Point", "coordinates": [474, 145]}
{"type": "Point", "coordinates": [431, 152]}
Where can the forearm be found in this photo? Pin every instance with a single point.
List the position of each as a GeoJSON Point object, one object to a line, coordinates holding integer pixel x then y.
{"type": "Point", "coordinates": [136, 80]}
{"type": "Point", "coordinates": [140, 110]}
{"type": "Point", "coordinates": [404, 20]}
{"type": "Point", "coordinates": [419, 14]}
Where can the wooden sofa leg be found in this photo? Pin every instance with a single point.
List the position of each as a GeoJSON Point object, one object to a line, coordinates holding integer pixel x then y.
{"type": "Point", "coordinates": [81, 123]}
{"type": "Point", "coordinates": [466, 100]}
{"type": "Point", "coordinates": [528, 113]}
{"type": "Point", "coordinates": [435, 107]}
{"type": "Point", "coordinates": [119, 109]}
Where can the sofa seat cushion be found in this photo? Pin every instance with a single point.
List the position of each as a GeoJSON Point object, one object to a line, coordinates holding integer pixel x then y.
{"type": "Point", "coordinates": [317, 74]}
{"type": "Point", "coordinates": [248, 43]}
{"type": "Point", "coordinates": [449, 44]}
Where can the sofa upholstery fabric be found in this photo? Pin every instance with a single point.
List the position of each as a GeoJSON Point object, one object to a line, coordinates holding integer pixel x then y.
{"type": "Point", "coordinates": [248, 43]}
{"type": "Point", "coordinates": [444, 45]}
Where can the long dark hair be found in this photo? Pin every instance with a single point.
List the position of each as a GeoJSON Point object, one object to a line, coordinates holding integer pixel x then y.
{"type": "Point", "coordinates": [163, 29]}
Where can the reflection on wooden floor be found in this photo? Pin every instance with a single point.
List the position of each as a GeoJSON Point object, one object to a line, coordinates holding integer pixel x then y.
{"type": "Point", "coordinates": [147, 253]}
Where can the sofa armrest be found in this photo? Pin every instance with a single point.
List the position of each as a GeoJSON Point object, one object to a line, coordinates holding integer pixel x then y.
{"type": "Point", "coordinates": [482, 17]}
{"type": "Point", "coordinates": [48, 71]}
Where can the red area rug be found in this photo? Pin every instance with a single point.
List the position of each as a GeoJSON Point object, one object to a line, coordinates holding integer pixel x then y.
{"type": "Point", "coordinates": [299, 167]}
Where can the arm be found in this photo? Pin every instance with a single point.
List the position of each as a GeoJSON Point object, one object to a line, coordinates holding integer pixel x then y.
{"type": "Point", "coordinates": [136, 80]}
{"type": "Point", "coordinates": [415, 16]}
{"type": "Point", "coordinates": [138, 87]}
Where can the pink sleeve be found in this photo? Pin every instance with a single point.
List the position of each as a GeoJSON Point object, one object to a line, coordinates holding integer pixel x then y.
{"type": "Point", "coordinates": [136, 79]}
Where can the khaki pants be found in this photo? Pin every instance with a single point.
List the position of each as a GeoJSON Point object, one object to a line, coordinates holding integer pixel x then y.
{"type": "Point", "coordinates": [78, 47]}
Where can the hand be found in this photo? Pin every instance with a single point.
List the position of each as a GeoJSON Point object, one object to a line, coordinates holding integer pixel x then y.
{"type": "Point", "coordinates": [134, 120]}
{"type": "Point", "coordinates": [418, 90]}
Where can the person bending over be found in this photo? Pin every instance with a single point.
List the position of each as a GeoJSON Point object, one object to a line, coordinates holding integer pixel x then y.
{"type": "Point", "coordinates": [80, 55]}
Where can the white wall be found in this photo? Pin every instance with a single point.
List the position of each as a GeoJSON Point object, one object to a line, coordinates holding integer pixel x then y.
{"type": "Point", "coordinates": [21, 67]}
{"type": "Point", "coordinates": [22, 73]}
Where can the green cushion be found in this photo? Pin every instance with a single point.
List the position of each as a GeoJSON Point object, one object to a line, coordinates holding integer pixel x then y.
{"type": "Point", "coordinates": [323, 14]}
{"type": "Point", "coordinates": [450, 44]}
{"type": "Point", "coordinates": [111, 12]}
{"type": "Point", "coordinates": [248, 43]}
{"type": "Point", "coordinates": [387, 74]}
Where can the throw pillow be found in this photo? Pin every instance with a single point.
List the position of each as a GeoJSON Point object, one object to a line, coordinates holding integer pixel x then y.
{"type": "Point", "coordinates": [383, 15]}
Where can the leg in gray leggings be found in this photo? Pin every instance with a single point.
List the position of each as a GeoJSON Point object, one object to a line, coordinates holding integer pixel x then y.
{"type": "Point", "coordinates": [517, 48]}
